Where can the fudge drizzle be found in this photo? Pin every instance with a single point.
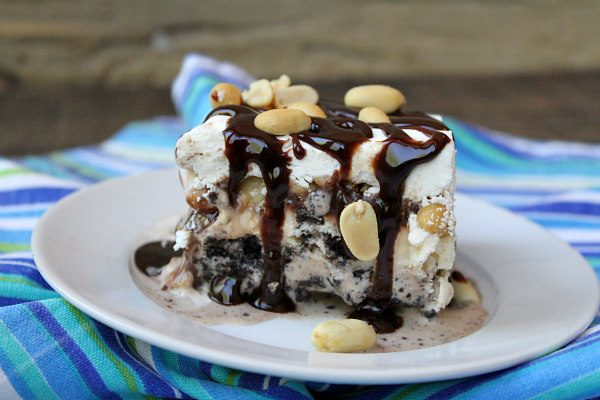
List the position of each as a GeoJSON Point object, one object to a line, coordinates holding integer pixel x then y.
{"type": "Point", "coordinates": [339, 135]}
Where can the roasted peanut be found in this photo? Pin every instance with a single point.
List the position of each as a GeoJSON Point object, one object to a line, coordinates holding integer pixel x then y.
{"type": "Point", "coordinates": [224, 94]}
{"type": "Point", "coordinates": [358, 225]}
{"type": "Point", "coordinates": [281, 82]}
{"type": "Point", "coordinates": [310, 109]}
{"type": "Point", "coordinates": [259, 94]}
{"type": "Point", "coordinates": [343, 336]}
{"type": "Point", "coordinates": [373, 115]}
{"type": "Point", "coordinates": [282, 121]}
{"type": "Point", "coordinates": [386, 98]}
{"type": "Point", "coordinates": [432, 218]}
{"type": "Point", "coordinates": [285, 96]}
{"type": "Point", "coordinates": [253, 187]}
{"type": "Point", "coordinates": [464, 292]}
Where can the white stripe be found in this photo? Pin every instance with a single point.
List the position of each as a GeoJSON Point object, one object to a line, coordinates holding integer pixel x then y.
{"type": "Point", "coordinates": [145, 351]}
{"type": "Point", "coordinates": [6, 389]}
{"type": "Point", "coordinates": [266, 382]}
{"type": "Point", "coordinates": [550, 148]}
{"type": "Point", "coordinates": [588, 249]}
{"type": "Point", "coordinates": [106, 161]}
{"type": "Point", "coordinates": [508, 200]}
{"type": "Point", "coordinates": [21, 254]}
{"type": "Point", "coordinates": [577, 235]}
{"type": "Point", "coordinates": [575, 197]}
{"type": "Point", "coordinates": [28, 181]}
{"type": "Point", "coordinates": [525, 182]}
{"type": "Point", "coordinates": [147, 156]}
{"type": "Point", "coordinates": [19, 263]}
{"type": "Point", "coordinates": [26, 207]}
{"type": "Point", "coordinates": [6, 164]}
{"type": "Point", "coordinates": [18, 223]}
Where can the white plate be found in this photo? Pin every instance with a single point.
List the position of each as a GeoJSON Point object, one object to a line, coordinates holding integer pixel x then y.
{"type": "Point", "coordinates": [538, 291]}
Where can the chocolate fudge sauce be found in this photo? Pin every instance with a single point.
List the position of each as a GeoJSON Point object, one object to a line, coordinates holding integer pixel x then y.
{"type": "Point", "coordinates": [151, 257]}
{"type": "Point", "coordinates": [338, 135]}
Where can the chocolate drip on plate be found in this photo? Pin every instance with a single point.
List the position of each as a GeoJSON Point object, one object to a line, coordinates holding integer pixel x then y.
{"type": "Point", "coordinates": [151, 257]}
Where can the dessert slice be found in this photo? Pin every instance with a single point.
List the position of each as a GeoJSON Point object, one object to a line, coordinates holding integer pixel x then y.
{"type": "Point", "coordinates": [290, 197]}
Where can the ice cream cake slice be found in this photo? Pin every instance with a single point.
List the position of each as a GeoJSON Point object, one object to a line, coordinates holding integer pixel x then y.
{"type": "Point", "coordinates": [290, 196]}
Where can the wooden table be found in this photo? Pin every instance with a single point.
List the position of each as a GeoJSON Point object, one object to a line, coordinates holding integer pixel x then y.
{"type": "Point", "coordinates": [551, 106]}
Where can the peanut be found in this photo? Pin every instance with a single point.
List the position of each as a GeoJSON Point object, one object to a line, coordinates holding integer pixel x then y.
{"type": "Point", "coordinates": [224, 94]}
{"type": "Point", "coordinates": [358, 225]}
{"type": "Point", "coordinates": [259, 94]}
{"type": "Point", "coordinates": [195, 199]}
{"type": "Point", "coordinates": [343, 336]}
{"type": "Point", "coordinates": [431, 219]}
{"type": "Point", "coordinates": [292, 94]}
{"type": "Point", "coordinates": [373, 115]}
{"type": "Point", "coordinates": [465, 292]}
{"type": "Point", "coordinates": [310, 109]}
{"type": "Point", "coordinates": [386, 98]}
{"type": "Point", "coordinates": [253, 187]}
{"type": "Point", "coordinates": [281, 82]}
{"type": "Point", "coordinates": [282, 121]}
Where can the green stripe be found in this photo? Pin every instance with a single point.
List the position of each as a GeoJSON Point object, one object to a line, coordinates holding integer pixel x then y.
{"type": "Point", "coordinates": [83, 322]}
{"type": "Point", "coordinates": [580, 387]}
{"type": "Point", "coordinates": [233, 377]}
{"type": "Point", "coordinates": [14, 171]}
{"type": "Point", "coordinates": [14, 247]}
{"type": "Point", "coordinates": [28, 370]}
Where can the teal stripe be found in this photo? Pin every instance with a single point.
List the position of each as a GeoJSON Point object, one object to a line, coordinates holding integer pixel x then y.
{"type": "Point", "coordinates": [114, 372]}
{"type": "Point", "coordinates": [420, 390]}
{"type": "Point", "coordinates": [23, 289]}
{"type": "Point", "coordinates": [582, 387]}
{"type": "Point", "coordinates": [594, 261]}
{"type": "Point", "coordinates": [27, 378]}
{"type": "Point", "coordinates": [167, 365]}
{"type": "Point", "coordinates": [52, 359]}
{"type": "Point", "coordinates": [483, 156]}
{"type": "Point", "coordinates": [541, 374]}
{"type": "Point", "coordinates": [44, 165]}
{"type": "Point", "coordinates": [194, 111]}
{"type": "Point", "coordinates": [83, 165]}
{"type": "Point", "coordinates": [22, 213]}
{"type": "Point", "coordinates": [16, 236]}
{"type": "Point", "coordinates": [89, 171]}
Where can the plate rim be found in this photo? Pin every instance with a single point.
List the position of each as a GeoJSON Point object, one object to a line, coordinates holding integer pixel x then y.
{"type": "Point", "coordinates": [297, 372]}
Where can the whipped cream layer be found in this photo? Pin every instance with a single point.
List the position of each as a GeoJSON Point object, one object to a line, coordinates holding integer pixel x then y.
{"type": "Point", "coordinates": [202, 150]}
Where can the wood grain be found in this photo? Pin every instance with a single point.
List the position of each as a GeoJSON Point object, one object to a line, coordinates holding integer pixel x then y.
{"type": "Point", "coordinates": [141, 42]}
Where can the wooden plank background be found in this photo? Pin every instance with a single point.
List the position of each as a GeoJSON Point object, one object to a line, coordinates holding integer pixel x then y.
{"type": "Point", "coordinates": [141, 42]}
{"type": "Point", "coordinates": [73, 72]}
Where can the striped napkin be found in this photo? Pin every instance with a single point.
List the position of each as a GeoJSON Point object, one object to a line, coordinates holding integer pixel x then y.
{"type": "Point", "coordinates": [49, 349]}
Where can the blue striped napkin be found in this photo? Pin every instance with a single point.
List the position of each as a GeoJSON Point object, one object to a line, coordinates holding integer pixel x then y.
{"type": "Point", "coordinates": [49, 349]}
